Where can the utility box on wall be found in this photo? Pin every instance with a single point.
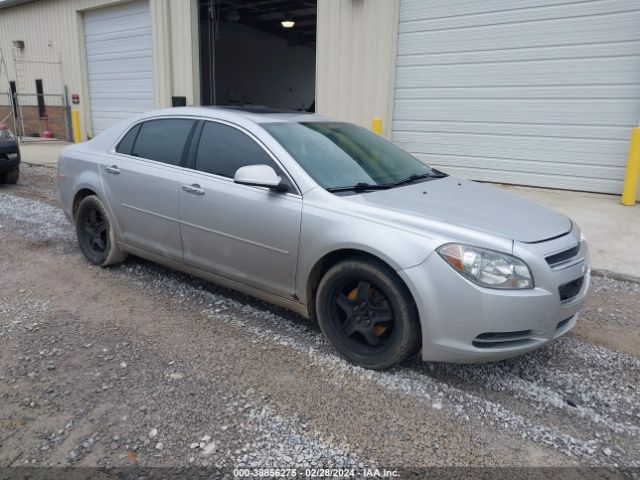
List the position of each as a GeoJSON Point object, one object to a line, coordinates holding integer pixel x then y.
{"type": "Point", "coordinates": [178, 101]}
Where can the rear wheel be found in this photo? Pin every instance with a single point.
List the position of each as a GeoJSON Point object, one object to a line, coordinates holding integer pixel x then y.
{"type": "Point", "coordinates": [367, 313]}
{"type": "Point", "coordinates": [95, 233]}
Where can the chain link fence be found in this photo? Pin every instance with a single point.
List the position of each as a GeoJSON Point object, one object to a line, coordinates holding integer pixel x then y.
{"type": "Point", "coordinates": [26, 106]}
{"type": "Point", "coordinates": [7, 114]}
{"type": "Point", "coordinates": [31, 115]}
{"type": "Point", "coordinates": [37, 113]}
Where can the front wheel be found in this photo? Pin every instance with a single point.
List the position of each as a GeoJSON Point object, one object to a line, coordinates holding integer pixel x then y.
{"type": "Point", "coordinates": [367, 313]}
{"type": "Point", "coordinates": [12, 177]}
{"type": "Point", "coordinates": [95, 233]}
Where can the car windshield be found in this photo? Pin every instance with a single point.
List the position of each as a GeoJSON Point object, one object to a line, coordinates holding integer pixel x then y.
{"type": "Point", "coordinates": [342, 155]}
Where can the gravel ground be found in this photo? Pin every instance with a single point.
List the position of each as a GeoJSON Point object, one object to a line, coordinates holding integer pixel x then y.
{"type": "Point", "coordinates": [140, 365]}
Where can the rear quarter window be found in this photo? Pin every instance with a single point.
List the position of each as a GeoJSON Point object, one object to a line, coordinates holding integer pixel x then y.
{"type": "Point", "coordinates": [126, 144]}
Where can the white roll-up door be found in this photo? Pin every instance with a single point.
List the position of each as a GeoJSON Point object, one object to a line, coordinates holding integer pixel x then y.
{"type": "Point", "coordinates": [119, 62]}
{"type": "Point", "coordinates": [531, 92]}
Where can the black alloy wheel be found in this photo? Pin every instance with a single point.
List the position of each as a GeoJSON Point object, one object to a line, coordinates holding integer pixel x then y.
{"type": "Point", "coordinates": [95, 235]}
{"type": "Point", "coordinates": [367, 313]}
{"type": "Point", "coordinates": [364, 313]}
{"type": "Point", "coordinates": [95, 231]}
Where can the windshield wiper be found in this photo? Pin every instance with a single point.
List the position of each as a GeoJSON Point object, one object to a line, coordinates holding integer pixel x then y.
{"type": "Point", "coordinates": [414, 177]}
{"type": "Point", "coordinates": [358, 187]}
{"type": "Point", "coordinates": [363, 186]}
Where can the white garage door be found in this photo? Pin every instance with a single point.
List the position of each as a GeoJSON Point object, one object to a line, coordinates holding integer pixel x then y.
{"type": "Point", "coordinates": [119, 62]}
{"type": "Point", "coordinates": [532, 92]}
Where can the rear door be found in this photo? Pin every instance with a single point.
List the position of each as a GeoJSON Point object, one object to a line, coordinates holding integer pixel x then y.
{"type": "Point", "coordinates": [244, 233]}
{"type": "Point", "coordinates": [142, 179]}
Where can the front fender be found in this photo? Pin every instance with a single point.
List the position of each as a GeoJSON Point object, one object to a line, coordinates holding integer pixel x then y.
{"type": "Point", "coordinates": [324, 231]}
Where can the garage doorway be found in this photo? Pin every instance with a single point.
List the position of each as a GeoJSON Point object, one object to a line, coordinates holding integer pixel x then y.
{"type": "Point", "coordinates": [258, 52]}
{"type": "Point", "coordinates": [119, 62]}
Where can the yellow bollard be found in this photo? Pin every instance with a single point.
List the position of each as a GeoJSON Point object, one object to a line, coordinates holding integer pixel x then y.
{"type": "Point", "coordinates": [376, 125]}
{"type": "Point", "coordinates": [630, 189]}
{"type": "Point", "coordinates": [75, 121]}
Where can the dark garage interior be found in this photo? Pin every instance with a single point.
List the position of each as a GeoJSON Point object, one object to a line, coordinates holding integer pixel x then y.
{"type": "Point", "coordinates": [258, 52]}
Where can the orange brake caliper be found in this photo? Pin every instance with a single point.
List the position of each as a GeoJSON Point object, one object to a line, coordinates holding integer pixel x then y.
{"type": "Point", "coordinates": [377, 329]}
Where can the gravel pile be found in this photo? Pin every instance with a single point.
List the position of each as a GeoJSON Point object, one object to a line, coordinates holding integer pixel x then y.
{"type": "Point", "coordinates": [37, 221]}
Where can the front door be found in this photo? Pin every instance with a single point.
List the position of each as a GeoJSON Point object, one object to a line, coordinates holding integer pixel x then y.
{"type": "Point", "coordinates": [244, 233]}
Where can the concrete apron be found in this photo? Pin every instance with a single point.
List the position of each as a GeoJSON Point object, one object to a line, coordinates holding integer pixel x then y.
{"type": "Point", "coordinates": [612, 229]}
{"type": "Point", "coordinates": [44, 152]}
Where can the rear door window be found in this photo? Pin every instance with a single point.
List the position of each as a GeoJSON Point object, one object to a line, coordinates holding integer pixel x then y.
{"type": "Point", "coordinates": [224, 149]}
{"type": "Point", "coordinates": [163, 140]}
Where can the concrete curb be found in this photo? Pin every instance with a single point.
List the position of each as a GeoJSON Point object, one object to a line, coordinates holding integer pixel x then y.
{"type": "Point", "coordinates": [623, 277]}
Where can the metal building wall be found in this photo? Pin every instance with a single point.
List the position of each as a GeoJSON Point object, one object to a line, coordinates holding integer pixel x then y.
{"type": "Point", "coordinates": [52, 32]}
{"type": "Point", "coordinates": [541, 93]}
{"type": "Point", "coordinates": [185, 49]}
{"type": "Point", "coordinates": [355, 59]}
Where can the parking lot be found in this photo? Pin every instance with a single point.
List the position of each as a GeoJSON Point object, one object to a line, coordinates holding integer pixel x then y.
{"type": "Point", "coordinates": [139, 365]}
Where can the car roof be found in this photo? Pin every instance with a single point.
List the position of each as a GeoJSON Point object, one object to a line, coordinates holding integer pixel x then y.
{"type": "Point", "coordinates": [254, 113]}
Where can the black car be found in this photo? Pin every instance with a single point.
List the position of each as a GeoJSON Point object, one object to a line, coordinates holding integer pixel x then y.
{"type": "Point", "coordinates": [9, 157]}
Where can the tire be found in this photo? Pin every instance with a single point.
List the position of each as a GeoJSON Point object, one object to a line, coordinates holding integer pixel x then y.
{"type": "Point", "coordinates": [367, 313]}
{"type": "Point", "coordinates": [95, 233]}
{"type": "Point", "coordinates": [12, 177]}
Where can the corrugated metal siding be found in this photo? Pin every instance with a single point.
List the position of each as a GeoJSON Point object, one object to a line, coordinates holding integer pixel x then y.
{"type": "Point", "coordinates": [533, 92]}
{"type": "Point", "coordinates": [52, 31]}
{"type": "Point", "coordinates": [48, 30]}
{"type": "Point", "coordinates": [355, 58]}
{"type": "Point", "coordinates": [119, 62]}
{"type": "Point", "coordinates": [185, 49]}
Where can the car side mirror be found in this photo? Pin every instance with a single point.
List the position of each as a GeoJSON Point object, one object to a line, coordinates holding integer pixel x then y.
{"type": "Point", "coordinates": [260, 176]}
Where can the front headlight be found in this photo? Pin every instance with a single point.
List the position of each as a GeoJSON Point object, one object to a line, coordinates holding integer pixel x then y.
{"type": "Point", "coordinates": [487, 268]}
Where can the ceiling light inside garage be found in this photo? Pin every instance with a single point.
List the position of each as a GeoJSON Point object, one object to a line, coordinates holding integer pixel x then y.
{"type": "Point", "coordinates": [287, 21]}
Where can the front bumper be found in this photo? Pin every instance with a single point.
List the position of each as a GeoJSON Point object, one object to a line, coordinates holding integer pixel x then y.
{"type": "Point", "coordinates": [9, 156]}
{"type": "Point", "coordinates": [465, 323]}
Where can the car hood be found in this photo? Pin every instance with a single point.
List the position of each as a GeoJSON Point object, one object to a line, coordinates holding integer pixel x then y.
{"type": "Point", "coordinates": [467, 204]}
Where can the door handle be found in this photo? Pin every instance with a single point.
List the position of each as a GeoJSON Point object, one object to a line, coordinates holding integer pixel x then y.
{"type": "Point", "coordinates": [195, 189]}
{"type": "Point", "coordinates": [113, 169]}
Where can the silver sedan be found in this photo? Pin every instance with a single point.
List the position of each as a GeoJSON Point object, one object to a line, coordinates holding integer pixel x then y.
{"type": "Point", "coordinates": [332, 221]}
